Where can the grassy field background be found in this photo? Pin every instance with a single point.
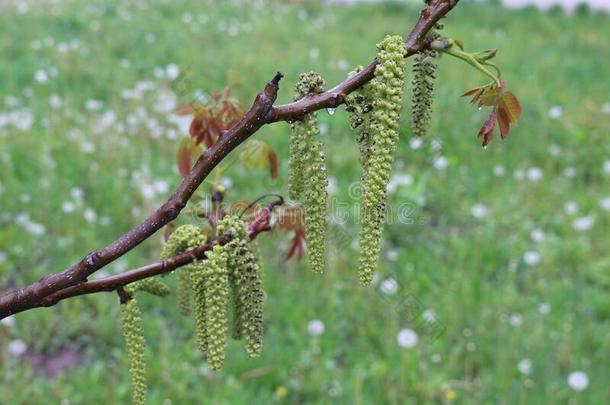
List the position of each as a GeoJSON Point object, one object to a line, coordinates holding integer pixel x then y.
{"type": "Point", "coordinates": [498, 265]}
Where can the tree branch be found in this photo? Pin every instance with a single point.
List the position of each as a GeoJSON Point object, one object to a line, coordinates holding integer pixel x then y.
{"type": "Point", "coordinates": [262, 112]}
{"type": "Point", "coordinates": [116, 282]}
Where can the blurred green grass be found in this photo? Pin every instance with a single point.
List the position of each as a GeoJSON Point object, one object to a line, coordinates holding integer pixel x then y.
{"type": "Point", "coordinates": [82, 180]}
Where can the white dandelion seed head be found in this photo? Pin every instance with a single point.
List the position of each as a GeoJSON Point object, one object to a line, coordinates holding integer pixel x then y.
{"type": "Point", "coordinates": [55, 101]}
{"type": "Point", "coordinates": [429, 315]}
{"type": "Point", "coordinates": [416, 143]}
{"type": "Point", "coordinates": [524, 366]}
{"type": "Point", "coordinates": [583, 223]}
{"type": "Point", "coordinates": [537, 235]}
{"type": "Point", "coordinates": [578, 380]}
{"type": "Point", "coordinates": [392, 255]}
{"type": "Point", "coordinates": [315, 327]}
{"type": "Point", "coordinates": [554, 150]}
{"type": "Point", "coordinates": [570, 207]}
{"type": "Point", "coordinates": [606, 167]}
{"type": "Point", "coordinates": [436, 144]}
{"type": "Point", "coordinates": [515, 319]}
{"type": "Point", "coordinates": [479, 211]}
{"type": "Point", "coordinates": [531, 258]}
{"type": "Point", "coordinates": [17, 347]}
{"type": "Point", "coordinates": [555, 112]}
{"type": "Point", "coordinates": [406, 338]}
{"type": "Point", "coordinates": [534, 173]}
{"type": "Point", "coordinates": [519, 174]}
{"type": "Point", "coordinates": [90, 215]}
{"type": "Point", "coordinates": [440, 163]}
{"type": "Point", "coordinates": [41, 76]}
{"type": "Point", "coordinates": [172, 71]}
{"type": "Point", "coordinates": [499, 171]}
{"type": "Point", "coordinates": [544, 308]}
{"type": "Point", "coordinates": [389, 286]}
{"type": "Point", "coordinates": [569, 172]}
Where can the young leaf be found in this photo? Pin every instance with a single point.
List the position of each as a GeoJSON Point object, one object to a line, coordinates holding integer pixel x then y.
{"type": "Point", "coordinates": [487, 130]}
{"type": "Point", "coordinates": [187, 151]}
{"type": "Point", "coordinates": [185, 109]}
{"type": "Point", "coordinates": [257, 154]}
{"type": "Point", "coordinates": [512, 105]}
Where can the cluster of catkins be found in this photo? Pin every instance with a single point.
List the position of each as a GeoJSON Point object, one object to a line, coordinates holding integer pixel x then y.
{"type": "Point", "coordinates": [308, 178]}
{"type": "Point", "coordinates": [229, 277]}
{"type": "Point", "coordinates": [375, 109]}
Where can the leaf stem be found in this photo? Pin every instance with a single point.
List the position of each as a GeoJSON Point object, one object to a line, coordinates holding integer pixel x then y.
{"type": "Point", "coordinates": [471, 60]}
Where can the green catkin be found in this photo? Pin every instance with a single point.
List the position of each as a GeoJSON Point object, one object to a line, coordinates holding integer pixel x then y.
{"type": "Point", "coordinates": [150, 285]}
{"type": "Point", "coordinates": [359, 104]}
{"type": "Point", "coordinates": [387, 89]}
{"type": "Point", "coordinates": [216, 281]}
{"type": "Point", "coordinates": [309, 176]}
{"type": "Point", "coordinates": [197, 277]}
{"type": "Point", "coordinates": [183, 238]}
{"type": "Point", "coordinates": [246, 285]}
{"type": "Point", "coordinates": [131, 320]}
{"type": "Point", "coordinates": [424, 69]}
{"type": "Point", "coordinates": [308, 83]}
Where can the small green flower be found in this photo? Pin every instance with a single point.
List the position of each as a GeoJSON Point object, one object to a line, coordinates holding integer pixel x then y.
{"type": "Point", "coordinates": [131, 320]}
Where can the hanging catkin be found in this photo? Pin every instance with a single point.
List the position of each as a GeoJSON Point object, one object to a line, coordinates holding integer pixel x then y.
{"type": "Point", "coordinates": [151, 285]}
{"type": "Point", "coordinates": [246, 286]}
{"type": "Point", "coordinates": [382, 135]}
{"type": "Point", "coordinates": [182, 239]}
{"type": "Point", "coordinates": [216, 284]}
{"type": "Point", "coordinates": [308, 176]}
{"type": "Point", "coordinates": [131, 320]}
{"type": "Point", "coordinates": [424, 75]}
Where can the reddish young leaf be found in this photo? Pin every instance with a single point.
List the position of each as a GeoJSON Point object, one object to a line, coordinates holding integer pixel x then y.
{"type": "Point", "coordinates": [257, 154]}
{"type": "Point", "coordinates": [512, 105]}
{"type": "Point", "coordinates": [167, 230]}
{"type": "Point", "coordinates": [187, 149]}
{"type": "Point", "coordinates": [195, 127]}
{"type": "Point", "coordinates": [273, 163]}
{"type": "Point", "coordinates": [185, 109]}
{"type": "Point", "coordinates": [503, 122]}
{"type": "Point", "coordinates": [487, 130]}
{"type": "Point", "coordinates": [297, 245]}
{"type": "Point", "coordinates": [489, 97]}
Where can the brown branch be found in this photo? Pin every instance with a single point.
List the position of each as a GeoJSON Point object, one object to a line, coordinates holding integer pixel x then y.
{"type": "Point", "coordinates": [262, 112]}
{"type": "Point", "coordinates": [117, 282]}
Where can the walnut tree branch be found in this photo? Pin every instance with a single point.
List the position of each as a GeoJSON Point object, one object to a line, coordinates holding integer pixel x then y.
{"type": "Point", "coordinates": [116, 282]}
{"type": "Point", "coordinates": [262, 112]}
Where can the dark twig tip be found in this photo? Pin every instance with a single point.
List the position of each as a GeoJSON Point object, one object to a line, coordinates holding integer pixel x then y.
{"type": "Point", "coordinates": [276, 79]}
